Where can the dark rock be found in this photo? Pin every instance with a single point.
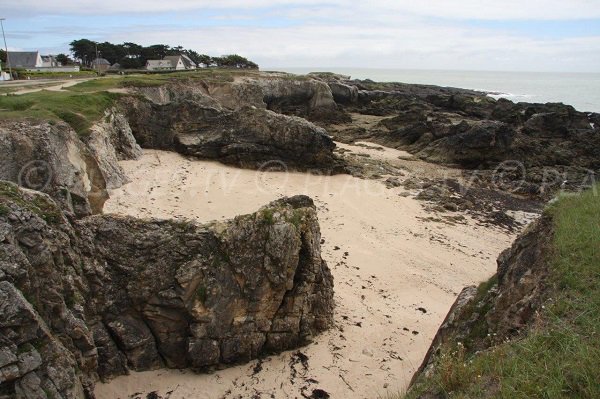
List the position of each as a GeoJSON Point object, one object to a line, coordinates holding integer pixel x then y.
{"type": "Point", "coordinates": [107, 294]}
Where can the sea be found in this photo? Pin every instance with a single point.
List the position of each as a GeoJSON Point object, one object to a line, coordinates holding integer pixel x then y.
{"type": "Point", "coordinates": [581, 90]}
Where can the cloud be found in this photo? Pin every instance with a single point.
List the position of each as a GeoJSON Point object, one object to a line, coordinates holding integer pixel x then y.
{"type": "Point", "coordinates": [430, 34]}
{"type": "Point", "coordinates": [460, 9]}
{"type": "Point", "coordinates": [407, 46]}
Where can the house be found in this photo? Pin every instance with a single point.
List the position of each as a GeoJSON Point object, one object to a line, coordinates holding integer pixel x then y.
{"type": "Point", "coordinates": [171, 62]}
{"type": "Point", "coordinates": [159, 65]}
{"type": "Point", "coordinates": [33, 62]}
{"type": "Point", "coordinates": [49, 61]}
{"type": "Point", "coordinates": [100, 65]}
{"type": "Point", "coordinates": [25, 59]}
{"type": "Point", "coordinates": [181, 61]}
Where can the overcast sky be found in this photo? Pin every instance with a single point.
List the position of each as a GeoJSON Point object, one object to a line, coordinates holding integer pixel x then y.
{"type": "Point", "coordinates": [531, 35]}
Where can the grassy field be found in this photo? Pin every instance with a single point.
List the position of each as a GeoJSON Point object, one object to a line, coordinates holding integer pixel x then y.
{"type": "Point", "coordinates": [559, 358]}
{"type": "Point", "coordinates": [84, 103]}
{"type": "Point", "coordinates": [80, 110]}
{"type": "Point", "coordinates": [148, 80]}
{"type": "Point", "coordinates": [57, 75]}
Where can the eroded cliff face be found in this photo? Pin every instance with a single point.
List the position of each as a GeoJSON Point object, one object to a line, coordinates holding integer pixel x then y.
{"type": "Point", "coordinates": [245, 123]}
{"type": "Point", "coordinates": [103, 295]}
{"type": "Point", "coordinates": [75, 170]}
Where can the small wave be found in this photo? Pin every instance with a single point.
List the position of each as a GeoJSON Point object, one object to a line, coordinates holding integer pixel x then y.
{"type": "Point", "coordinates": [511, 96]}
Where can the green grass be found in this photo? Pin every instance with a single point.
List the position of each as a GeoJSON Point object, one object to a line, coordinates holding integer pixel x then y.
{"type": "Point", "coordinates": [560, 358]}
{"type": "Point", "coordinates": [213, 75]}
{"type": "Point", "coordinates": [80, 110]}
{"type": "Point", "coordinates": [40, 205]}
{"type": "Point", "coordinates": [56, 75]}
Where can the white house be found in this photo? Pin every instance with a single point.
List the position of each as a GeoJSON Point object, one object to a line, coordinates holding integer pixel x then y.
{"type": "Point", "coordinates": [171, 62]}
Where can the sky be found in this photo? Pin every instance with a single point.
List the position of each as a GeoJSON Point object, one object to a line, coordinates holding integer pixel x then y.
{"type": "Point", "coordinates": [498, 35]}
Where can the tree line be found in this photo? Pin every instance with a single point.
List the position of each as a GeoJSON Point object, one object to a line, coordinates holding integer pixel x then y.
{"type": "Point", "coordinates": [134, 56]}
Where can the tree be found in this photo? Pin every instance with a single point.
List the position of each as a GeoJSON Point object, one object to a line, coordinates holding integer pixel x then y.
{"type": "Point", "coordinates": [64, 59]}
{"type": "Point", "coordinates": [132, 50]}
{"type": "Point", "coordinates": [154, 52]}
{"type": "Point", "coordinates": [84, 50]}
{"type": "Point", "coordinates": [205, 60]}
{"type": "Point", "coordinates": [131, 63]}
{"type": "Point", "coordinates": [234, 61]}
{"type": "Point", "coordinates": [2, 55]}
{"type": "Point", "coordinates": [111, 52]}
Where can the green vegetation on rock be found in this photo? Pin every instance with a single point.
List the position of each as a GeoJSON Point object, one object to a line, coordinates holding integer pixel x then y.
{"type": "Point", "coordinates": [42, 206]}
{"type": "Point", "coordinates": [558, 356]}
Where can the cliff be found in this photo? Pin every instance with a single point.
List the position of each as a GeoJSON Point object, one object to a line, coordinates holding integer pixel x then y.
{"type": "Point", "coordinates": [531, 330]}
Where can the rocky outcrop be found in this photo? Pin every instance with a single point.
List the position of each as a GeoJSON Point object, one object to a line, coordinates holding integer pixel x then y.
{"type": "Point", "coordinates": [551, 145]}
{"type": "Point", "coordinates": [74, 170]}
{"type": "Point", "coordinates": [504, 307]}
{"type": "Point", "coordinates": [220, 122]}
{"type": "Point", "coordinates": [97, 297]}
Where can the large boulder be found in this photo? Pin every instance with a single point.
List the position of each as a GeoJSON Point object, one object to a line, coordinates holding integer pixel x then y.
{"type": "Point", "coordinates": [106, 294]}
{"type": "Point", "coordinates": [247, 137]}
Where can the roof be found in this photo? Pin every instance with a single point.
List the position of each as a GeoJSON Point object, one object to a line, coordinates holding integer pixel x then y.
{"type": "Point", "coordinates": [188, 61]}
{"type": "Point", "coordinates": [159, 64]}
{"type": "Point", "coordinates": [116, 65]}
{"type": "Point", "coordinates": [174, 59]}
{"type": "Point", "coordinates": [100, 61]}
{"type": "Point", "coordinates": [24, 59]}
{"type": "Point", "coordinates": [184, 59]}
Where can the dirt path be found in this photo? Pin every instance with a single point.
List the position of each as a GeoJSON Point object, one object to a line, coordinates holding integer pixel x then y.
{"type": "Point", "coordinates": [396, 275]}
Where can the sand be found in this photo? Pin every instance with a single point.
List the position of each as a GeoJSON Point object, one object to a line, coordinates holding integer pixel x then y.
{"type": "Point", "coordinates": [396, 275]}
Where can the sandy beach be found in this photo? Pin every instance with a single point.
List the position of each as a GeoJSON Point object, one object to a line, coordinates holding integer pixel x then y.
{"type": "Point", "coordinates": [396, 274]}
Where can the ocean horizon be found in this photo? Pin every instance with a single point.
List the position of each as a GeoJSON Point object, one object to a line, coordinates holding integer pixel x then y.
{"type": "Point", "coordinates": [581, 90]}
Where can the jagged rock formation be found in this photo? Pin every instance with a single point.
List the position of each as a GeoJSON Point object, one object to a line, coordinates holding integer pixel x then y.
{"type": "Point", "coordinates": [504, 307]}
{"type": "Point", "coordinates": [469, 129]}
{"type": "Point", "coordinates": [103, 295]}
{"type": "Point", "coordinates": [76, 171]}
{"type": "Point", "coordinates": [236, 123]}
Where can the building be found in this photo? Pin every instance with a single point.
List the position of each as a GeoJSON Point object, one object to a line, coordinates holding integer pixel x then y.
{"type": "Point", "coordinates": [100, 65]}
{"type": "Point", "coordinates": [25, 59]}
{"type": "Point", "coordinates": [170, 63]}
{"type": "Point", "coordinates": [33, 62]}
{"type": "Point", "coordinates": [159, 65]}
{"type": "Point", "coordinates": [49, 61]}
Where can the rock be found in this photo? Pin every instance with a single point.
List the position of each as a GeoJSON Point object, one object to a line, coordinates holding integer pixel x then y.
{"type": "Point", "coordinates": [471, 145]}
{"type": "Point", "coordinates": [481, 318]}
{"type": "Point", "coordinates": [343, 94]}
{"type": "Point", "coordinates": [471, 130]}
{"type": "Point", "coordinates": [76, 171]}
{"type": "Point", "coordinates": [247, 137]}
{"type": "Point", "coordinates": [105, 294]}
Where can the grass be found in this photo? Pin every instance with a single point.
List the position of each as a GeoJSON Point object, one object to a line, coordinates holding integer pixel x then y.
{"type": "Point", "coordinates": [268, 216]}
{"type": "Point", "coordinates": [559, 358]}
{"type": "Point", "coordinates": [40, 205]}
{"type": "Point", "coordinates": [158, 79]}
{"type": "Point", "coordinates": [83, 104]}
{"type": "Point", "coordinates": [79, 110]}
{"type": "Point", "coordinates": [56, 75]}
